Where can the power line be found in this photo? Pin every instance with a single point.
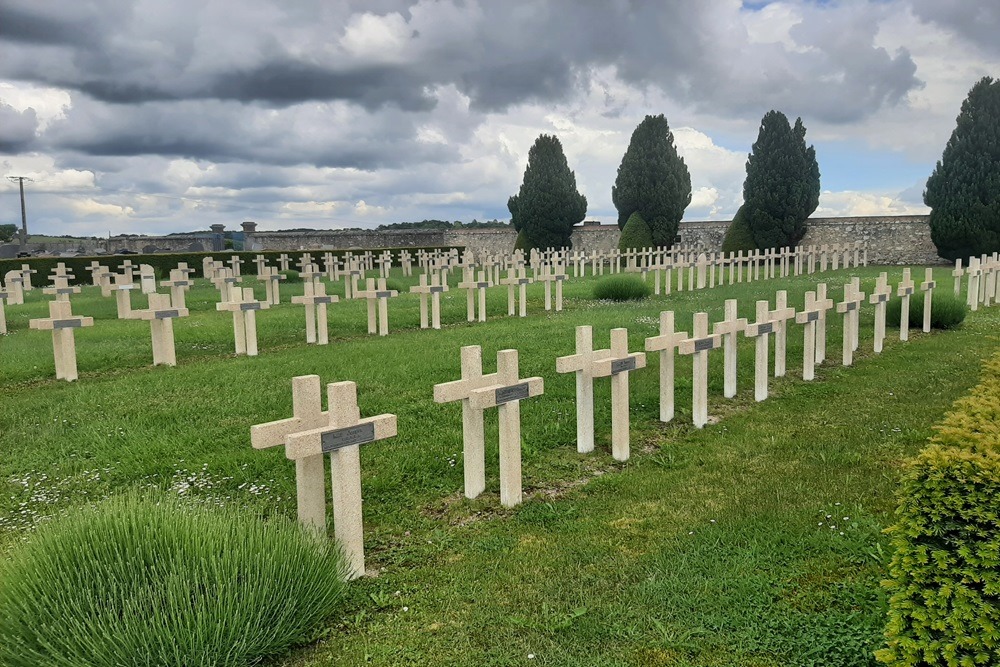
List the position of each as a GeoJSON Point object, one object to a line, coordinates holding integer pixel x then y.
{"type": "Point", "coordinates": [24, 216]}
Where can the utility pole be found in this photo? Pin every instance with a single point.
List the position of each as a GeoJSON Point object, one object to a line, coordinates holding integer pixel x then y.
{"type": "Point", "coordinates": [24, 218]}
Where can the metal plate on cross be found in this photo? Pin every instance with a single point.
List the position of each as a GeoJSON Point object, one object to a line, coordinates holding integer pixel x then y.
{"type": "Point", "coordinates": [383, 295]}
{"type": "Point", "coordinates": [622, 365]}
{"type": "Point", "coordinates": [703, 344]}
{"type": "Point", "coordinates": [67, 324]}
{"type": "Point", "coordinates": [166, 314]}
{"type": "Point", "coordinates": [766, 328]}
{"type": "Point", "coordinates": [812, 317]}
{"type": "Point", "coordinates": [514, 392]}
{"type": "Point", "coordinates": [249, 306]}
{"type": "Point", "coordinates": [436, 289]}
{"type": "Point", "coordinates": [346, 437]}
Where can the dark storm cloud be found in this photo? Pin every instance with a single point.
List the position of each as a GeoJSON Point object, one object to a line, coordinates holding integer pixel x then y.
{"type": "Point", "coordinates": [972, 20]}
{"type": "Point", "coordinates": [17, 129]}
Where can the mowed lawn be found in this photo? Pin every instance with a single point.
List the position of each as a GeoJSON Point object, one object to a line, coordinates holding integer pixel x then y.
{"type": "Point", "coordinates": [756, 541]}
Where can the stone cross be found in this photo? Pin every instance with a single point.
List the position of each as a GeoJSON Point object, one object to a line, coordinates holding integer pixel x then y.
{"type": "Point", "coordinates": [957, 274]}
{"type": "Point", "coordinates": [823, 304]}
{"type": "Point", "coordinates": [850, 307]}
{"type": "Point", "coordinates": [665, 343]}
{"type": "Point", "coordinates": [311, 274]}
{"type": "Point", "coordinates": [879, 297]}
{"type": "Point", "coordinates": [261, 262]}
{"type": "Point", "coordinates": [780, 315]}
{"type": "Point", "coordinates": [729, 329]}
{"type": "Point", "coordinates": [699, 345]}
{"type": "Point", "coordinates": [225, 282]}
{"type": "Point", "coordinates": [434, 290]}
{"type": "Point", "coordinates": [760, 330]}
{"type": "Point", "coordinates": [61, 289]}
{"type": "Point", "coordinates": [61, 322]}
{"type": "Point", "coordinates": [283, 260]}
{"type": "Point", "coordinates": [835, 257]}
{"type": "Point", "coordinates": [809, 316]}
{"type": "Point", "coordinates": [4, 296]}
{"type": "Point", "coordinates": [244, 309]}
{"type": "Point", "coordinates": [377, 297]}
{"type": "Point", "coordinates": [147, 278]}
{"type": "Point", "coordinates": [617, 364]}
{"type": "Point", "coordinates": [384, 262]}
{"type": "Point", "coordinates": [406, 262]}
{"type": "Point", "coordinates": [160, 316]}
{"type": "Point", "coordinates": [15, 287]}
{"type": "Point", "coordinates": [823, 250]}
{"type": "Point", "coordinates": [928, 289]}
{"type": "Point", "coordinates": [974, 273]}
{"type": "Point", "coordinates": [209, 269]}
{"type": "Point", "coordinates": [272, 284]}
{"type": "Point", "coordinates": [516, 278]}
{"type": "Point", "coordinates": [340, 432]}
{"type": "Point", "coordinates": [95, 268]}
{"type": "Point", "coordinates": [123, 298]}
{"type": "Point", "coordinates": [582, 364]}
{"type": "Point", "coordinates": [26, 272]}
{"type": "Point", "coordinates": [904, 290]}
{"type": "Point", "coordinates": [304, 261]}
{"type": "Point", "coordinates": [316, 300]}
{"type": "Point", "coordinates": [234, 264]}
{"type": "Point", "coordinates": [471, 287]}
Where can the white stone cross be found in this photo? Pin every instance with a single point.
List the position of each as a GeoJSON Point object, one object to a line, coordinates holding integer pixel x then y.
{"type": "Point", "coordinates": [975, 273]}
{"type": "Point", "coordinates": [518, 279]}
{"type": "Point", "coordinates": [61, 322]}
{"type": "Point", "coordinates": [4, 296]}
{"type": "Point", "coordinates": [472, 287]}
{"type": "Point", "coordinates": [147, 278]}
{"type": "Point", "coordinates": [61, 289]}
{"type": "Point", "coordinates": [160, 316]}
{"type": "Point", "coordinates": [339, 432]}
{"type": "Point", "coordinates": [928, 289]}
{"type": "Point", "coordinates": [244, 308]}
{"type": "Point", "coordinates": [729, 329]}
{"type": "Point", "coordinates": [617, 365]}
{"type": "Point", "coordinates": [665, 343]}
{"type": "Point", "coordinates": [879, 297]}
{"type": "Point", "coordinates": [226, 283]}
{"type": "Point", "coordinates": [179, 284]}
{"type": "Point", "coordinates": [434, 290]}
{"type": "Point", "coordinates": [283, 260]}
{"type": "Point", "coordinates": [234, 264]}
{"type": "Point", "coordinates": [272, 284]}
{"type": "Point", "coordinates": [123, 296]}
{"type": "Point", "coordinates": [582, 364]}
{"type": "Point", "coordinates": [904, 290]}
{"type": "Point", "coordinates": [780, 316]}
{"type": "Point", "coordinates": [260, 261]}
{"type": "Point", "coordinates": [822, 303]}
{"type": "Point", "coordinates": [957, 274]}
{"type": "Point", "coordinates": [304, 261]}
{"type": "Point", "coordinates": [760, 330]}
{"type": "Point", "coordinates": [15, 287]}
{"type": "Point", "coordinates": [316, 301]}
{"type": "Point", "coordinates": [377, 297]}
{"type": "Point", "coordinates": [809, 316]}
{"type": "Point", "coordinates": [699, 345]}
{"type": "Point", "coordinates": [849, 307]}
{"type": "Point", "coordinates": [548, 275]}
{"type": "Point", "coordinates": [26, 272]}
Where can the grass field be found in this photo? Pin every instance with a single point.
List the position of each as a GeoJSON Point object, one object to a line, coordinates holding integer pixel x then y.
{"type": "Point", "coordinates": [756, 541]}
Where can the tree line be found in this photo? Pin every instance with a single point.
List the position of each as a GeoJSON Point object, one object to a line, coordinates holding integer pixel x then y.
{"type": "Point", "coordinates": [782, 187]}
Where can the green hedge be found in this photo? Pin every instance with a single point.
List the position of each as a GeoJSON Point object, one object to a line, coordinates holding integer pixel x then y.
{"type": "Point", "coordinates": [944, 576]}
{"type": "Point", "coordinates": [162, 263]}
{"type": "Point", "coordinates": [947, 310]}
{"type": "Point", "coordinates": [622, 287]}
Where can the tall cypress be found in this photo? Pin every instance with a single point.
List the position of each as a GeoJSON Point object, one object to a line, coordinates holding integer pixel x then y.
{"type": "Point", "coordinates": [548, 203]}
{"type": "Point", "coordinates": [653, 181]}
{"type": "Point", "coordinates": [964, 190]}
{"type": "Point", "coordinates": [782, 186]}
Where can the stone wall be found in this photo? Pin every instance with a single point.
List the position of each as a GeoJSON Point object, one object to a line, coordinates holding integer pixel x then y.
{"type": "Point", "coordinates": [889, 239]}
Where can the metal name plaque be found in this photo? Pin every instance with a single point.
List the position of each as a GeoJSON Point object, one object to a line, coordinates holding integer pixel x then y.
{"type": "Point", "coordinates": [853, 305]}
{"type": "Point", "coordinates": [882, 298]}
{"type": "Point", "coordinates": [64, 290]}
{"type": "Point", "coordinates": [766, 328]}
{"type": "Point", "coordinates": [559, 279]}
{"type": "Point", "coordinates": [524, 281]}
{"type": "Point", "coordinates": [322, 299]}
{"type": "Point", "coordinates": [436, 289]}
{"type": "Point", "coordinates": [703, 344]}
{"type": "Point", "coordinates": [514, 392]}
{"type": "Point", "coordinates": [345, 437]}
{"type": "Point", "coordinates": [166, 314]}
{"type": "Point", "coordinates": [181, 283]}
{"type": "Point", "coordinates": [622, 365]}
{"type": "Point", "coordinates": [908, 291]}
{"type": "Point", "coordinates": [67, 324]}
{"type": "Point", "coordinates": [931, 285]}
{"type": "Point", "coordinates": [230, 280]}
{"type": "Point", "coordinates": [249, 306]}
{"type": "Point", "coordinates": [812, 317]}
{"type": "Point", "coordinates": [383, 295]}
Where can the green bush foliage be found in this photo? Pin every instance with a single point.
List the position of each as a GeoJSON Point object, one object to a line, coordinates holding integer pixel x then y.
{"type": "Point", "coordinates": [621, 288]}
{"type": "Point", "coordinates": [522, 242]}
{"type": "Point", "coordinates": [653, 181]}
{"type": "Point", "coordinates": [291, 276]}
{"type": "Point", "coordinates": [738, 235]}
{"type": "Point", "coordinates": [137, 582]}
{"type": "Point", "coordinates": [947, 310]}
{"type": "Point", "coordinates": [944, 577]}
{"type": "Point", "coordinates": [548, 203]}
{"type": "Point", "coordinates": [964, 189]}
{"type": "Point", "coordinates": [636, 234]}
{"type": "Point", "coordinates": [782, 186]}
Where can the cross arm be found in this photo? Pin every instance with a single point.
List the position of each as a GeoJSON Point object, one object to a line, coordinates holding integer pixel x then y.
{"type": "Point", "coordinates": [494, 395]}
{"type": "Point", "coordinates": [608, 366]}
{"type": "Point", "coordinates": [327, 439]}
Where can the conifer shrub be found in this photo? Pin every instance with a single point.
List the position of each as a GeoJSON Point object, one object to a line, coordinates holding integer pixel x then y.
{"type": "Point", "coordinates": [131, 581]}
{"type": "Point", "coordinates": [944, 576]}
{"type": "Point", "coordinates": [522, 242]}
{"type": "Point", "coordinates": [947, 311]}
{"type": "Point", "coordinates": [738, 235]}
{"type": "Point", "coordinates": [621, 288]}
{"type": "Point", "coordinates": [636, 234]}
{"type": "Point", "coordinates": [291, 276]}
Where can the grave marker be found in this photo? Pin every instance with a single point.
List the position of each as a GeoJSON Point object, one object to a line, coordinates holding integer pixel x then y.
{"type": "Point", "coordinates": [699, 345]}
{"type": "Point", "coordinates": [809, 316]}
{"type": "Point", "coordinates": [928, 289]}
{"type": "Point", "coordinates": [519, 280]}
{"type": "Point", "coordinates": [760, 330]}
{"type": "Point", "coordinates": [617, 364]}
{"type": "Point", "coordinates": [377, 297]}
{"type": "Point", "coordinates": [780, 316]}
{"type": "Point", "coordinates": [904, 290]}
{"type": "Point", "coordinates": [729, 329]}
{"type": "Point", "coordinates": [62, 323]}
{"type": "Point", "coordinates": [160, 316]}
{"type": "Point", "coordinates": [850, 306]}
{"type": "Point", "coordinates": [665, 343]}
{"type": "Point", "coordinates": [315, 301]}
{"type": "Point", "coordinates": [879, 297]}
{"type": "Point", "coordinates": [823, 304]}
{"type": "Point", "coordinates": [244, 309]}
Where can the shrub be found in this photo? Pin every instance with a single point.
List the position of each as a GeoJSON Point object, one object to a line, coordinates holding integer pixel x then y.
{"type": "Point", "coordinates": [621, 288]}
{"type": "Point", "coordinates": [522, 242]}
{"type": "Point", "coordinates": [291, 276]}
{"type": "Point", "coordinates": [636, 234]}
{"type": "Point", "coordinates": [944, 580]}
{"type": "Point", "coordinates": [947, 310]}
{"type": "Point", "coordinates": [395, 285]}
{"type": "Point", "coordinates": [135, 582]}
{"type": "Point", "coordinates": [738, 235]}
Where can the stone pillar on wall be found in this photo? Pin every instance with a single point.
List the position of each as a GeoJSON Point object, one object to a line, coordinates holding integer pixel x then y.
{"type": "Point", "coordinates": [249, 229]}
{"type": "Point", "coordinates": [218, 242]}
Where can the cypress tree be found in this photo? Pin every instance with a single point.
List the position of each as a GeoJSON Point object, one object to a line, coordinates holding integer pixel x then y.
{"type": "Point", "coordinates": [548, 204]}
{"type": "Point", "coordinates": [653, 181]}
{"type": "Point", "coordinates": [964, 190]}
{"type": "Point", "coordinates": [782, 186]}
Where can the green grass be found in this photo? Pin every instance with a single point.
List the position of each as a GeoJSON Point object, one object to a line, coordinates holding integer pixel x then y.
{"type": "Point", "coordinates": [704, 549]}
{"type": "Point", "coordinates": [622, 287]}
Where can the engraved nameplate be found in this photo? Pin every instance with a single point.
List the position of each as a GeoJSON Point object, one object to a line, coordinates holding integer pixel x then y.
{"type": "Point", "coordinates": [881, 298]}
{"type": "Point", "coordinates": [64, 290]}
{"type": "Point", "coordinates": [436, 289]}
{"type": "Point", "coordinates": [230, 280]}
{"type": "Point", "coordinates": [524, 281]}
{"type": "Point", "coordinates": [622, 365]}
{"type": "Point", "coordinates": [930, 285]}
{"type": "Point", "coordinates": [249, 306]}
{"type": "Point", "coordinates": [383, 295]}
{"type": "Point", "coordinates": [853, 305]}
{"type": "Point", "coordinates": [907, 291]}
{"type": "Point", "coordinates": [482, 285]}
{"type": "Point", "coordinates": [766, 328]}
{"type": "Point", "coordinates": [812, 317]}
{"type": "Point", "coordinates": [514, 392]}
{"type": "Point", "coordinates": [345, 437]}
{"type": "Point", "coordinates": [181, 283]}
{"type": "Point", "coordinates": [67, 324]}
{"type": "Point", "coordinates": [703, 344]}
{"type": "Point", "coordinates": [323, 299]}
{"type": "Point", "coordinates": [166, 314]}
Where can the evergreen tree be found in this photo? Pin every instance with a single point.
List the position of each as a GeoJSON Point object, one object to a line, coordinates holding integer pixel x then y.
{"type": "Point", "coordinates": [782, 186]}
{"type": "Point", "coordinates": [636, 234]}
{"type": "Point", "coordinates": [548, 204]}
{"type": "Point", "coordinates": [964, 190]}
{"type": "Point", "coordinates": [738, 236]}
{"type": "Point", "coordinates": [653, 181]}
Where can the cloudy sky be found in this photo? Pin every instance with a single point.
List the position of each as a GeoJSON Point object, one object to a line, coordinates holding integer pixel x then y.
{"type": "Point", "coordinates": [146, 116]}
